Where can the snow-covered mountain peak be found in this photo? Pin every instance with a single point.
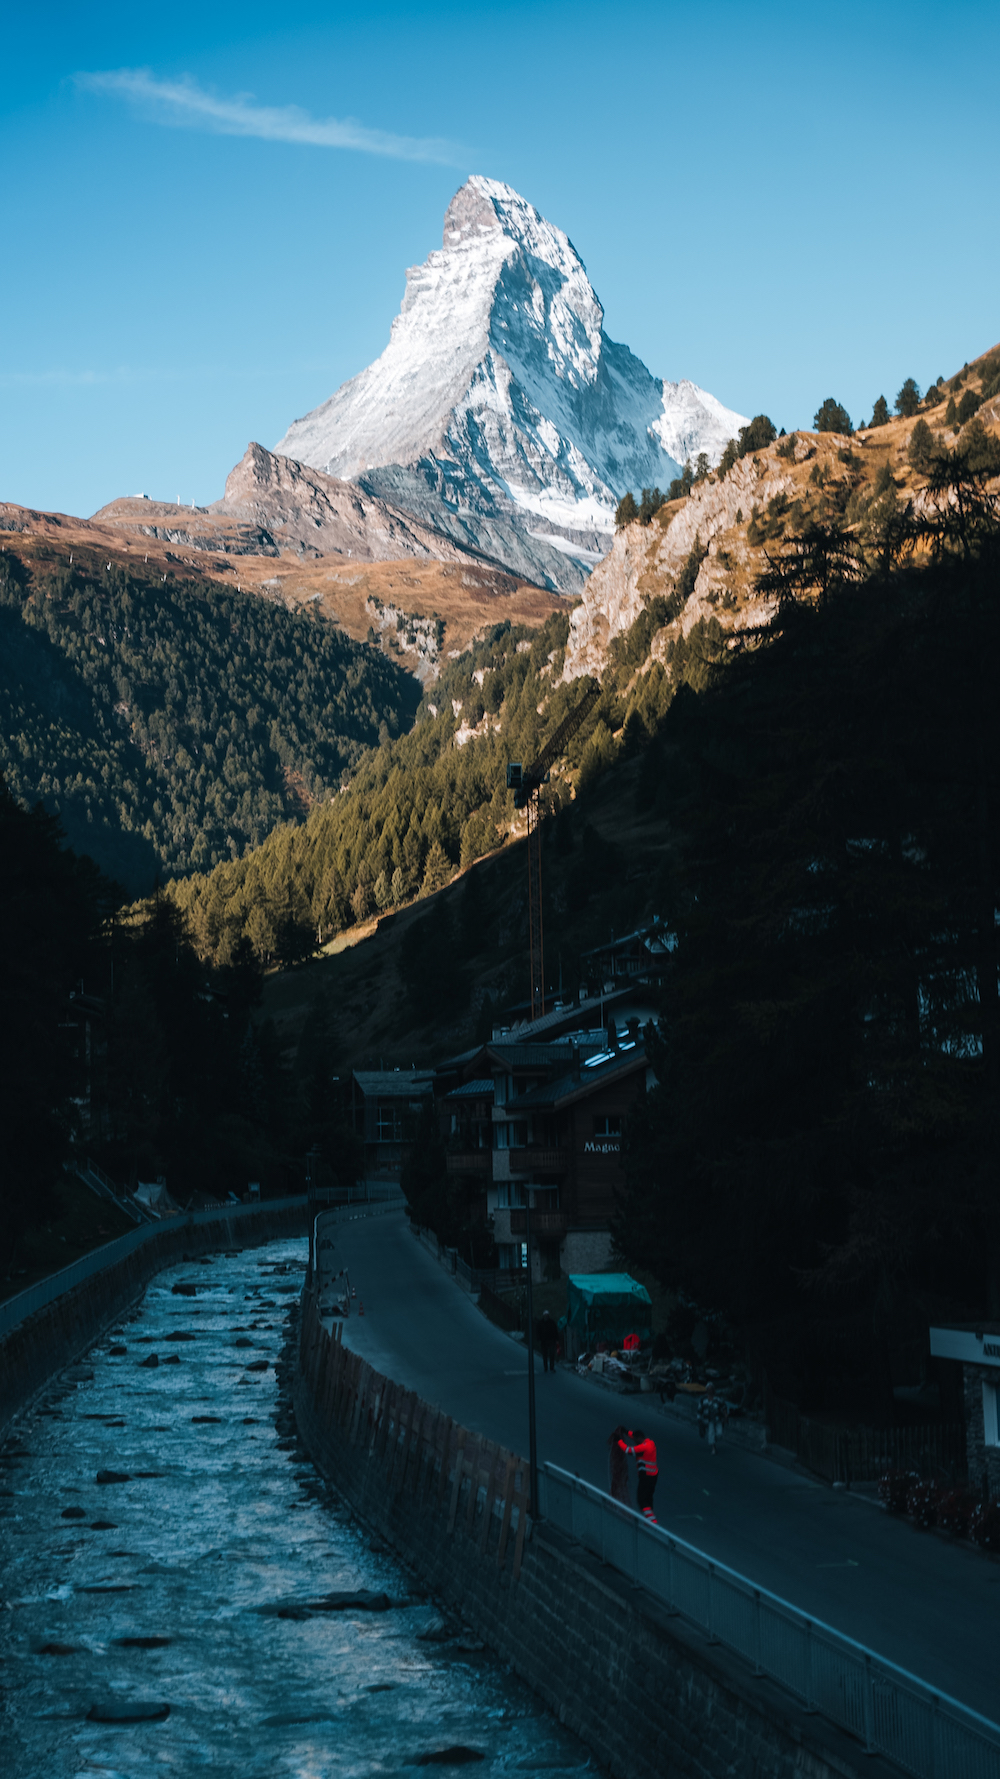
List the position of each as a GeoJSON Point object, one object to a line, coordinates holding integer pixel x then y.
{"type": "Point", "coordinates": [499, 395]}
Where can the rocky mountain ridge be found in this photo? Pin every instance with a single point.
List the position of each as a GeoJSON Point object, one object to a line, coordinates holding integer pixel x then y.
{"type": "Point", "coordinates": [500, 411]}
{"type": "Point", "coordinates": [722, 521]}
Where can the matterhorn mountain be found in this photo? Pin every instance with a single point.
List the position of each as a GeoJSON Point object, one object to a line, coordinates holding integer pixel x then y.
{"type": "Point", "coordinates": [500, 414]}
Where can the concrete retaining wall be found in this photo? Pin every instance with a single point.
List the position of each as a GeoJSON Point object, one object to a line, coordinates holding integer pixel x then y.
{"type": "Point", "coordinates": [644, 1692]}
{"type": "Point", "coordinates": [63, 1330]}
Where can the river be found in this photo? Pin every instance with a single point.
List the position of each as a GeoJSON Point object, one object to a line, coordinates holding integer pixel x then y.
{"type": "Point", "coordinates": [170, 1563]}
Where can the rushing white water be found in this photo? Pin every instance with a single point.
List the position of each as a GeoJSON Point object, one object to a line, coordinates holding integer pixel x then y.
{"type": "Point", "coordinates": [188, 1585]}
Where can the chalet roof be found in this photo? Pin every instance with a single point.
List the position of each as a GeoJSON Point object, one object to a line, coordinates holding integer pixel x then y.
{"type": "Point", "coordinates": [595, 1071]}
{"type": "Point", "coordinates": [655, 938]}
{"type": "Point", "coordinates": [511, 1053]}
{"type": "Point", "coordinates": [472, 1089]}
{"type": "Point", "coordinates": [570, 1011]}
{"type": "Point", "coordinates": [397, 1084]}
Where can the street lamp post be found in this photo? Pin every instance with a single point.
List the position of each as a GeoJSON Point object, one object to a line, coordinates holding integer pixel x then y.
{"type": "Point", "coordinates": [532, 1439]}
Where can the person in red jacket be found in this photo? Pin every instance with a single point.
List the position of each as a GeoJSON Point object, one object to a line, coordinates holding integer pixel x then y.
{"type": "Point", "coordinates": [643, 1450]}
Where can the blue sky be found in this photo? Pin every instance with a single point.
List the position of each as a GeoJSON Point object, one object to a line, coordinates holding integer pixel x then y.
{"type": "Point", "coordinates": [208, 211]}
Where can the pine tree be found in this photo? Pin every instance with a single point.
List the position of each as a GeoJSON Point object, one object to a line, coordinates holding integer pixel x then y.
{"type": "Point", "coordinates": [880, 412]}
{"type": "Point", "coordinates": [438, 870]}
{"type": "Point", "coordinates": [922, 448]}
{"type": "Point", "coordinates": [832, 416]}
{"type": "Point", "coordinates": [908, 399]}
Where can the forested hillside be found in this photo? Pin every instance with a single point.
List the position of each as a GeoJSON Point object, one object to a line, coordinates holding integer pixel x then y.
{"type": "Point", "coordinates": [172, 724]}
{"type": "Point", "coordinates": [819, 1158]}
{"type": "Point", "coordinates": [691, 582]}
{"type": "Point", "coordinates": [820, 1155]}
{"type": "Point", "coordinates": [435, 799]}
{"type": "Point", "coordinates": [178, 1075]}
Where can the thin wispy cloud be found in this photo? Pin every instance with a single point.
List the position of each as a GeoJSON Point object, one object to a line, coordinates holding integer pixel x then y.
{"type": "Point", "coordinates": [184, 103]}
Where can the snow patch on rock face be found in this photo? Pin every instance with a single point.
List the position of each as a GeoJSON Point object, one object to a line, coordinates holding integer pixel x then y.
{"type": "Point", "coordinates": [501, 392]}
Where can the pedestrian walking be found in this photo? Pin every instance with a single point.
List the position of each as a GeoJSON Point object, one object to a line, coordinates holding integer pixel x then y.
{"type": "Point", "coordinates": [640, 1446]}
{"type": "Point", "coordinates": [713, 1414]}
{"type": "Point", "coordinates": [548, 1340]}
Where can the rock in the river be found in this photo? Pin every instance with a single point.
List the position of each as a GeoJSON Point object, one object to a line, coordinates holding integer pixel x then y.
{"type": "Point", "coordinates": [127, 1711]}
{"type": "Point", "coordinates": [74, 1513]}
{"type": "Point", "coordinates": [59, 1649]}
{"type": "Point", "coordinates": [436, 1630]}
{"type": "Point", "coordinates": [184, 1289]}
{"type": "Point", "coordinates": [117, 1351]}
{"type": "Point", "coordinates": [149, 1364]}
{"type": "Point", "coordinates": [358, 1600]}
{"type": "Point", "coordinates": [103, 1526]}
{"type": "Point", "coordinates": [112, 1476]}
{"type": "Point", "coordinates": [456, 1756]}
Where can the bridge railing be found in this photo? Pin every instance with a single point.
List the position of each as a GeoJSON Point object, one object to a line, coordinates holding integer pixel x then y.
{"type": "Point", "coordinates": [16, 1309]}
{"type": "Point", "coordinates": [889, 1711]}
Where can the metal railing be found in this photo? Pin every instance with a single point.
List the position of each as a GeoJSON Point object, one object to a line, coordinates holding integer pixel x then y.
{"type": "Point", "coordinates": [890, 1711]}
{"type": "Point", "coordinates": [364, 1192]}
{"type": "Point", "coordinates": [16, 1309]}
{"type": "Point", "coordinates": [98, 1182]}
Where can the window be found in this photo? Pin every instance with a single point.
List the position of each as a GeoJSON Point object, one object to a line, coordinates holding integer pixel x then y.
{"type": "Point", "coordinates": [510, 1136]}
{"type": "Point", "coordinates": [511, 1193]}
{"type": "Point", "coordinates": [991, 1431]}
{"type": "Point", "coordinates": [389, 1127]}
{"type": "Point", "coordinates": [608, 1125]}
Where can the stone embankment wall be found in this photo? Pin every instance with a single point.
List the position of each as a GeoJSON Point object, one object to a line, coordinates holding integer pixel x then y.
{"type": "Point", "coordinates": [63, 1330]}
{"type": "Point", "coordinates": [645, 1693]}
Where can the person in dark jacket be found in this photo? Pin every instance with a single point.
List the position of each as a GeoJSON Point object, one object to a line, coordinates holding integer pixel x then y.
{"type": "Point", "coordinates": [548, 1340]}
{"type": "Point", "coordinates": [713, 1414]}
{"type": "Point", "coordinates": [640, 1446]}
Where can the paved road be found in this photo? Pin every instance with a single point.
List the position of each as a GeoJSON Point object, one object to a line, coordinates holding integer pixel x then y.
{"type": "Point", "coordinates": [931, 1606]}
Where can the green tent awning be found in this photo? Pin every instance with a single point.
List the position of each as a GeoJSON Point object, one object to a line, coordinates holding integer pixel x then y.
{"type": "Point", "coordinates": [607, 1306]}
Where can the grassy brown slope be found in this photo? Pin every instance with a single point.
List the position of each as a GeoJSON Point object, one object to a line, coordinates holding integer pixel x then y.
{"type": "Point", "coordinates": [736, 523]}
{"type": "Point", "coordinates": [468, 598]}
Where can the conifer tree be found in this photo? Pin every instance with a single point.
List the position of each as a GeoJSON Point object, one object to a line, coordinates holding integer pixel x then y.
{"type": "Point", "coordinates": [832, 416]}
{"type": "Point", "coordinates": [438, 870]}
{"type": "Point", "coordinates": [908, 399]}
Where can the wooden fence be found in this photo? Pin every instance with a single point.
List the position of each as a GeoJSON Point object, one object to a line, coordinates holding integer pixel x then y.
{"type": "Point", "coordinates": [501, 1311]}
{"type": "Point", "coordinates": [862, 1454]}
{"type": "Point", "coordinates": [417, 1448]}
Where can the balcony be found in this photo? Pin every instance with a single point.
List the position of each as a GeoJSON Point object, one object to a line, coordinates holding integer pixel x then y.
{"type": "Point", "coordinates": [543, 1223]}
{"type": "Point", "coordinates": [535, 1160]}
{"type": "Point", "coordinates": [468, 1161]}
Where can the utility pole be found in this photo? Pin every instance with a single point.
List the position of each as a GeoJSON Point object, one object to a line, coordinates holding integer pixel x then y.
{"type": "Point", "coordinates": [526, 783]}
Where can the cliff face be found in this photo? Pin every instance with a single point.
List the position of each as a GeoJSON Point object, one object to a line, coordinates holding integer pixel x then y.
{"type": "Point", "coordinates": [764, 503]}
{"type": "Point", "coordinates": [646, 560]}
